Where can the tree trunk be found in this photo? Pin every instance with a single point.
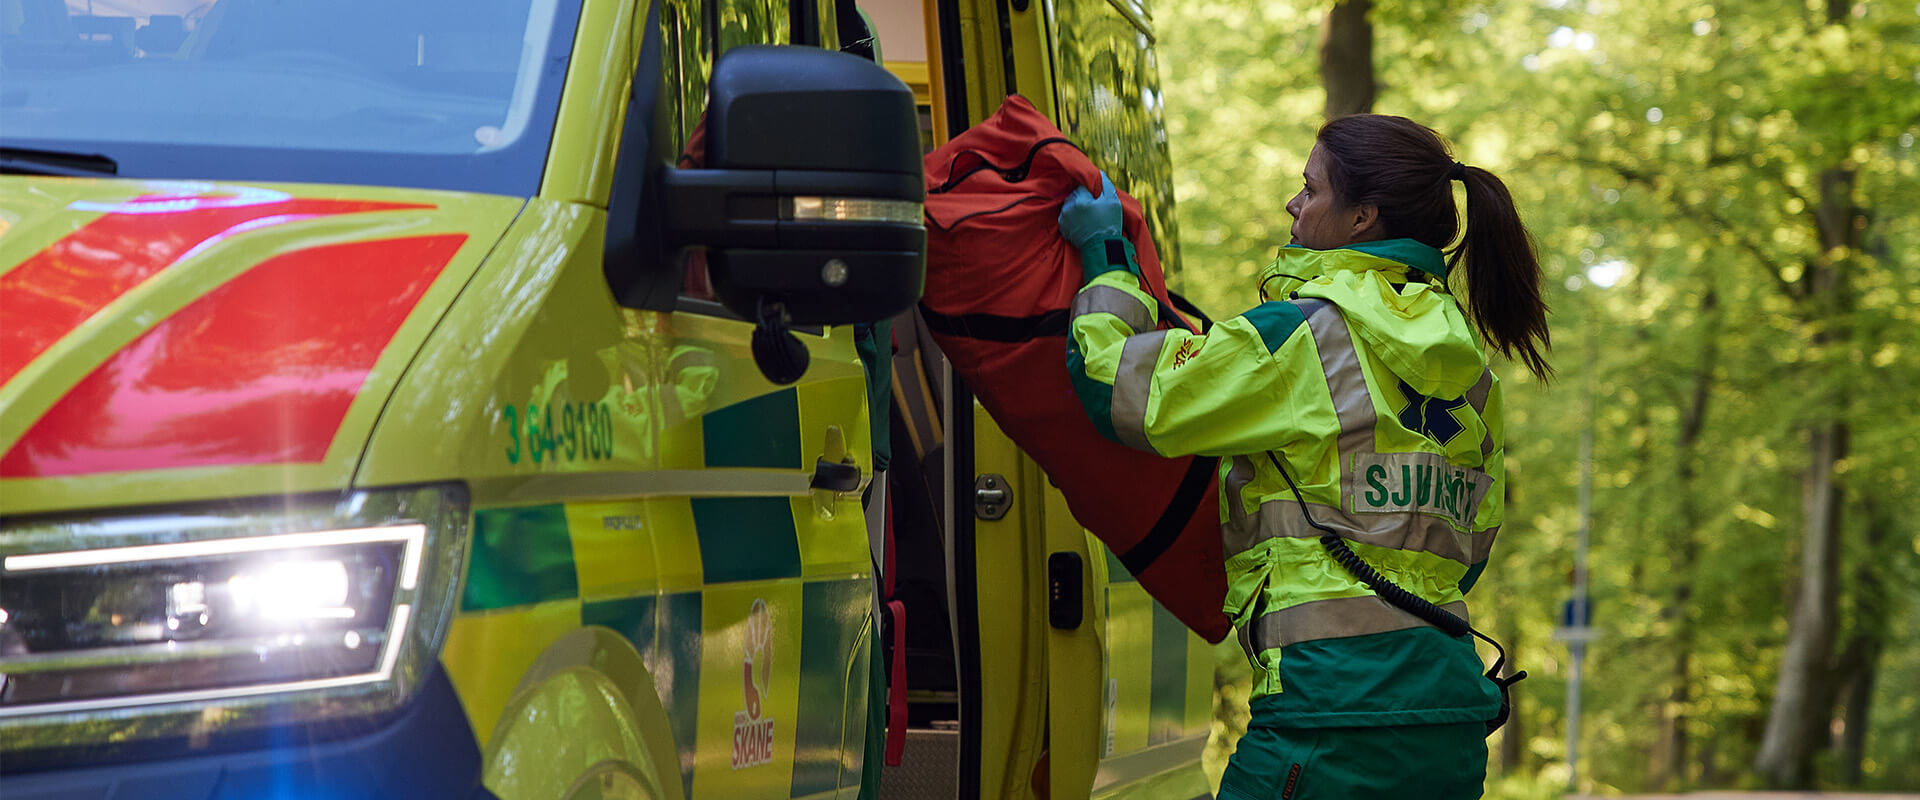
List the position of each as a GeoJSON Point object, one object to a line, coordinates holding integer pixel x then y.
{"type": "Point", "coordinates": [1710, 762]}
{"type": "Point", "coordinates": [1670, 759]}
{"type": "Point", "coordinates": [1803, 696]}
{"type": "Point", "coordinates": [1857, 704]}
{"type": "Point", "coordinates": [1670, 751]}
{"type": "Point", "coordinates": [1860, 659]}
{"type": "Point", "coordinates": [1346, 58]}
{"type": "Point", "coordinates": [1786, 752]}
{"type": "Point", "coordinates": [1673, 744]}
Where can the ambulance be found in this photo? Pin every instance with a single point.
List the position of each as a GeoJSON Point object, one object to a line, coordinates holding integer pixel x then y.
{"type": "Point", "coordinates": [478, 399]}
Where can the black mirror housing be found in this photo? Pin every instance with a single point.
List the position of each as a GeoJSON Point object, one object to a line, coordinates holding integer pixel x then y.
{"type": "Point", "coordinates": [812, 194]}
{"type": "Point", "coordinates": [783, 107]}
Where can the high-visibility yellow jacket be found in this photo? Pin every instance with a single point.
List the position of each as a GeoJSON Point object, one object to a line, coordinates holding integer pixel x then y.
{"type": "Point", "coordinates": [1360, 374]}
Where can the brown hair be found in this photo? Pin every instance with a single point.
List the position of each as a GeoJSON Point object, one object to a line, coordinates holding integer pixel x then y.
{"type": "Point", "coordinates": [1403, 169]}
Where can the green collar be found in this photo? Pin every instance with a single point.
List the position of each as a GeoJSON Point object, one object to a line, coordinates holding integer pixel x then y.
{"type": "Point", "coordinates": [1403, 251]}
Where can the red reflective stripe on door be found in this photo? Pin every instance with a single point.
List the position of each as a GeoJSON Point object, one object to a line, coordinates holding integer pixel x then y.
{"type": "Point", "coordinates": [259, 371]}
{"type": "Point", "coordinates": [58, 288]}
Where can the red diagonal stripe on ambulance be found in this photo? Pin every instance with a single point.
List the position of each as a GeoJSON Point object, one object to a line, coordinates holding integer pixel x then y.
{"type": "Point", "coordinates": [259, 371]}
{"type": "Point", "coordinates": [55, 290]}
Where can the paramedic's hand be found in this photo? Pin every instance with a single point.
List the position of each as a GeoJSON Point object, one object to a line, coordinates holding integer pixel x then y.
{"type": "Point", "coordinates": [1092, 224]}
{"type": "Point", "coordinates": [1086, 221]}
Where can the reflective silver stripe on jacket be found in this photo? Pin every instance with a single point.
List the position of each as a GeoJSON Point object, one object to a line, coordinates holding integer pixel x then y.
{"type": "Point", "coordinates": [1477, 397]}
{"type": "Point", "coordinates": [1132, 385]}
{"type": "Point", "coordinates": [1103, 299]}
{"type": "Point", "coordinates": [1281, 519]}
{"type": "Point", "coordinates": [1333, 619]}
{"type": "Point", "coordinates": [1483, 544]}
{"type": "Point", "coordinates": [1341, 363]}
{"type": "Point", "coordinates": [1239, 474]}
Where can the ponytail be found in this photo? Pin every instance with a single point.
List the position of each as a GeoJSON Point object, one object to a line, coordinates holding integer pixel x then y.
{"type": "Point", "coordinates": [1503, 274]}
{"type": "Point", "coordinates": [1403, 169]}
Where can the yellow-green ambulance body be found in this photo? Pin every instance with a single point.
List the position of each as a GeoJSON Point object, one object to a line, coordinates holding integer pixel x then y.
{"type": "Point", "coordinates": [385, 410]}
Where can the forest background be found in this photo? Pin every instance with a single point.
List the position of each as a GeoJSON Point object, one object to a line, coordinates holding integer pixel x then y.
{"type": "Point", "coordinates": [1724, 197]}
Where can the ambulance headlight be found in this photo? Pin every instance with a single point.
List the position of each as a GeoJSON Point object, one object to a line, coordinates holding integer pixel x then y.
{"type": "Point", "coordinates": [244, 614]}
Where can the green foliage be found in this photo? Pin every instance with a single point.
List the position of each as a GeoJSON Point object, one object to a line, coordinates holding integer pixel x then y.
{"type": "Point", "coordinates": [1233, 685]}
{"type": "Point", "coordinates": [1894, 736]}
{"type": "Point", "coordinates": [1690, 140]}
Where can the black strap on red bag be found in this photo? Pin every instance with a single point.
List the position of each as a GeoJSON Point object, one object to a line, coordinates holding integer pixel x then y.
{"type": "Point", "coordinates": [897, 666]}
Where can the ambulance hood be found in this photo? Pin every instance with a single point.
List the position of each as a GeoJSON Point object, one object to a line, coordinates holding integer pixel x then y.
{"type": "Point", "coordinates": [165, 341]}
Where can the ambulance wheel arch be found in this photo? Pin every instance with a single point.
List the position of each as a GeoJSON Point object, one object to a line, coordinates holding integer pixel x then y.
{"type": "Point", "coordinates": [585, 722]}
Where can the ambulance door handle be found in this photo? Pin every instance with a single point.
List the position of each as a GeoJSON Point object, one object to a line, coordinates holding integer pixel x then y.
{"type": "Point", "coordinates": [835, 476]}
{"type": "Point", "coordinates": [1065, 606]}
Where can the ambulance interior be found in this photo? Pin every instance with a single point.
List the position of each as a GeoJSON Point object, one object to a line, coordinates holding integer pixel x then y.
{"type": "Point", "coordinates": [928, 449]}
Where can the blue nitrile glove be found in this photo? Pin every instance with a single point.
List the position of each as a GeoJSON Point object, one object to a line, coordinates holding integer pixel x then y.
{"type": "Point", "coordinates": [1090, 224]}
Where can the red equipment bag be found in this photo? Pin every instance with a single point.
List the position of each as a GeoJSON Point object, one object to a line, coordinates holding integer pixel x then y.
{"type": "Point", "coordinates": [1000, 281]}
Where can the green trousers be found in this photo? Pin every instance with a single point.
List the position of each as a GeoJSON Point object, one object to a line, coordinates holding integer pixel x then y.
{"type": "Point", "coordinates": [1430, 762]}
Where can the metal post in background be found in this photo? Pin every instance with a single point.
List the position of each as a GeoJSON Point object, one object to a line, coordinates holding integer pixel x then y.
{"type": "Point", "coordinates": [1576, 618]}
{"type": "Point", "coordinates": [1576, 624]}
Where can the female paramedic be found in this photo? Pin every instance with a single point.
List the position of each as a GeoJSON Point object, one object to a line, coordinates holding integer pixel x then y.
{"type": "Point", "coordinates": [1362, 453]}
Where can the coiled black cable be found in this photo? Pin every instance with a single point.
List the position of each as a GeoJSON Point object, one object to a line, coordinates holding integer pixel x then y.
{"type": "Point", "coordinates": [1187, 307]}
{"type": "Point", "coordinates": [1404, 600]}
{"type": "Point", "coordinates": [1388, 590]}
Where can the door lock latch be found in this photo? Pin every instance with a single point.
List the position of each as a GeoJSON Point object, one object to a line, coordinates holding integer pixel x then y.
{"type": "Point", "coordinates": [992, 496]}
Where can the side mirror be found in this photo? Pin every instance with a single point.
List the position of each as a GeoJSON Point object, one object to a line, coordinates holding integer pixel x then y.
{"type": "Point", "coordinates": [811, 199]}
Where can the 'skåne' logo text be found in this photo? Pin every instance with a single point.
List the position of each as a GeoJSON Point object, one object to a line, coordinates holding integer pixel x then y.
{"type": "Point", "coordinates": [752, 731]}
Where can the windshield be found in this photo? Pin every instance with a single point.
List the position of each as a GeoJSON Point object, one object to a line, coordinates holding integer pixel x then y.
{"type": "Point", "coordinates": [449, 94]}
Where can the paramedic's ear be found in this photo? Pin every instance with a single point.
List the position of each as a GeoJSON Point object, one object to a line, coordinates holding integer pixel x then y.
{"type": "Point", "coordinates": [1366, 224]}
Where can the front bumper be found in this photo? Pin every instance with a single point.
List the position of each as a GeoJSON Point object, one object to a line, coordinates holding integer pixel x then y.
{"type": "Point", "coordinates": [428, 751]}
